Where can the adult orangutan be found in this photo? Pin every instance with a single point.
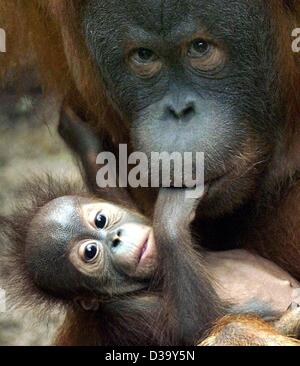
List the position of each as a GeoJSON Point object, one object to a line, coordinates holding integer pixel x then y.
{"type": "Point", "coordinates": [185, 76]}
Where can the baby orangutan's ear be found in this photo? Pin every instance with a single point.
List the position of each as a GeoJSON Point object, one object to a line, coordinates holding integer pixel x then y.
{"type": "Point", "coordinates": [87, 304]}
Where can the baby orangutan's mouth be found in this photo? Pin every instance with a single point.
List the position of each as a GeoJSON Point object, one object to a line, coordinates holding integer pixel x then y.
{"type": "Point", "coordinates": [147, 246]}
{"type": "Point", "coordinates": [147, 254]}
{"type": "Point", "coordinates": [144, 248]}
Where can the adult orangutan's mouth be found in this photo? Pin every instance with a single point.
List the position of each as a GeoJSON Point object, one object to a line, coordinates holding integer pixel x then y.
{"type": "Point", "coordinates": [213, 181]}
{"type": "Point", "coordinates": [206, 182]}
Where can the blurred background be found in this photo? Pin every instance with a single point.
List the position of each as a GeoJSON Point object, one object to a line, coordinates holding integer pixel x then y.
{"type": "Point", "coordinates": [29, 145]}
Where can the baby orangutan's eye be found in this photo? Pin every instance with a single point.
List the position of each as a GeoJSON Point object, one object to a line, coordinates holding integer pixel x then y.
{"type": "Point", "coordinates": [89, 251]}
{"type": "Point", "coordinates": [100, 220]}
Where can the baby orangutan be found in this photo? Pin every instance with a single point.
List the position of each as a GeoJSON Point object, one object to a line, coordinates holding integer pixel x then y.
{"type": "Point", "coordinates": [81, 249]}
{"type": "Point", "coordinates": [78, 246]}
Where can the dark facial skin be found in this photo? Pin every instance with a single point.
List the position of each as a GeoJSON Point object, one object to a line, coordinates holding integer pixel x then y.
{"type": "Point", "coordinates": [192, 75]}
{"type": "Point", "coordinates": [79, 246]}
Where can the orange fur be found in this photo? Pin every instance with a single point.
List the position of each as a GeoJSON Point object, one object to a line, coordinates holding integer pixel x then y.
{"type": "Point", "coordinates": [245, 331]}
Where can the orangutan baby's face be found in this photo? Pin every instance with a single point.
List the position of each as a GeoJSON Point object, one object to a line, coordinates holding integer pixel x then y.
{"type": "Point", "coordinates": [79, 245]}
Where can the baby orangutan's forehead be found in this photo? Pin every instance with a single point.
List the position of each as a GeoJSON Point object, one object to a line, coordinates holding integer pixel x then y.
{"type": "Point", "coordinates": [59, 217]}
{"type": "Point", "coordinates": [63, 209]}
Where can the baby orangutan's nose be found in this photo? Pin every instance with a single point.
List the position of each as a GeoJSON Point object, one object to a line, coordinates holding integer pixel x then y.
{"type": "Point", "coordinates": [114, 239]}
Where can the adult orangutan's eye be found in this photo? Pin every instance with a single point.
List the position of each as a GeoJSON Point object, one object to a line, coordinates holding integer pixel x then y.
{"type": "Point", "coordinates": [205, 56]}
{"type": "Point", "coordinates": [144, 55]}
{"type": "Point", "coordinates": [144, 62]}
{"type": "Point", "coordinates": [198, 48]}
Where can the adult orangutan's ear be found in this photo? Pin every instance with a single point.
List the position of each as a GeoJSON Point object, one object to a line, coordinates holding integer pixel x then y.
{"type": "Point", "coordinates": [87, 304]}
